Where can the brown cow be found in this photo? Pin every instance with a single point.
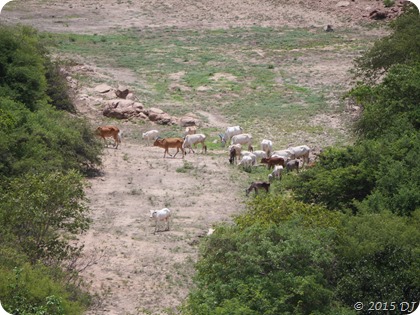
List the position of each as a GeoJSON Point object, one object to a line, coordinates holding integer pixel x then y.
{"type": "Point", "coordinates": [256, 186]}
{"type": "Point", "coordinates": [109, 131]}
{"type": "Point", "coordinates": [275, 160]}
{"type": "Point", "coordinates": [170, 143]}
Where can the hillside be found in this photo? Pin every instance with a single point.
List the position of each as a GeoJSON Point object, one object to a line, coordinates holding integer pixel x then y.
{"type": "Point", "coordinates": [135, 271]}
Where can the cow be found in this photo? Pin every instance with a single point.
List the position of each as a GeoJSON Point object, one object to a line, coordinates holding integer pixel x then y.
{"type": "Point", "coordinates": [170, 143]}
{"type": "Point", "coordinates": [109, 131]}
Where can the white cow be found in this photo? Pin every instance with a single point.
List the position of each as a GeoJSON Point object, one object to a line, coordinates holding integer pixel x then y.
{"type": "Point", "coordinates": [243, 139]}
{"type": "Point", "coordinates": [301, 151]}
{"type": "Point", "coordinates": [150, 135]}
{"type": "Point", "coordinates": [276, 173]}
{"type": "Point", "coordinates": [246, 162]}
{"type": "Point", "coordinates": [161, 215]}
{"type": "Point", "coordinates": [229, 133]}
{"type": "Point", "coordinates": [251, 154]}
{"type": "Point", "coordinates": [260, 154]}
{"type": "Point", "coordinates": [193, 140]}
{"type": "Point", "coordinates": [286, 154]}
{"type": "Point", "coordinates": [191, 130]}
{"type": "Point", "coordinates": [267, 146]}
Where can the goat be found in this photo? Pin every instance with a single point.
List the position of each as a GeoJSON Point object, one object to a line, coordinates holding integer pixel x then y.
{"type": "Point", "coordinates": [191, 130]}
{"type": "Point", "coordinates": [271, 161]}
{"type": "Point", "coordinates": [276, 173]}
{"type": "Point", "coordinates": [170, 143]}
{"type": "Point", "coordinates": [229, 133]}
{"type": "Point", "coordinates": [160, 215]}
{"type": "Point", "coordinates": [292, 165]}
{"type": "Point", "coordinates": [243, 139]}
{"type": "Point", "coordinates": [267, 146]}
{"type": "Point", "coordinates": [194, 139]}
{"type": "Point", "coordinates": [109, 131]}
{"type": "Point", "coordinates": [150, 135]}
{"type": "Point", "coordinates": [256, 186]}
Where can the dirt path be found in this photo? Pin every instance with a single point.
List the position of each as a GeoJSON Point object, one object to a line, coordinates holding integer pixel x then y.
{"type": "Point", "coordinates": [138, 267]}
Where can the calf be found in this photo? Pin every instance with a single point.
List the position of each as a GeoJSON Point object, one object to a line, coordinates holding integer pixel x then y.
{"type": "Point", "coordinates": [161, 215]}
{"type": "Point", "coordinates": [170, 143]}
{"type": "Point", "coordinates": [256, 186]}
{"type": "Point", "coordinates": [234, 153]}
{"type": "Point", "coordinates": [246, 162]}
{"type": "Point", "coordinates": [150, 135]}
{"type": "Point", "coordinates": [191, 130]}
{"type": "Point", "coordinates": [292, 165]}
{"type": "Point", "coordinates": [276, 173]}
{"type": "Point", "coordinates": [271, 161]}
{"type": "Point", "coordinates": [109, 131]}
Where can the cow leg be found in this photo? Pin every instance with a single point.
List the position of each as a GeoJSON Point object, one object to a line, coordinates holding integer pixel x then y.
{"type": "Point", "coordinates": [177, 150]}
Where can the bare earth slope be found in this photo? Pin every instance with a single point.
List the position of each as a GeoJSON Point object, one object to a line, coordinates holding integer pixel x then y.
{"type": "Point", "coordinates": [146, 271]}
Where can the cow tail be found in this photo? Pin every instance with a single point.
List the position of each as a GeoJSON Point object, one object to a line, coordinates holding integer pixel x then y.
{"type": "Point", "coordinates": [120, 133]}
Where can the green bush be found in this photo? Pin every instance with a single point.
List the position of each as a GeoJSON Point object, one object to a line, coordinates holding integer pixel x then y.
{"type": "Point", "coordinates": [30, 290]}
{"type": "Point", "coordinates": [39, 210]}
{"type": "Point", "coordinates": [402, 46]}
{"type": "Point", "coordinates": [22, 72]}
{"type": "Point", "coordinates": [274, 269]}
{"type": "Point", "coordinates": [378, 259]}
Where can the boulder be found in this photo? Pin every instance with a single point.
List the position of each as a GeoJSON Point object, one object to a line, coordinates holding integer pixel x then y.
{"type": "Point", "coordinates": [342, 4]}
{"type": "Point", "coordinates": [122, 94]}
{"type": "Point", "coordinates": [123, 109]}
{"type": "Point", "coordinates": [102, 88]}
{"type": "Point", "coordinates": [189, 120]}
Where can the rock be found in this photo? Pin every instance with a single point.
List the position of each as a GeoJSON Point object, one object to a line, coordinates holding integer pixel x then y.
{"type": "Point", "coordinates": [203, 88]}
{"type": "Point", "coordinates": [189, 120]}
{"type": "Point", "coordinates": [122, 94]}
{"type": "Point", "coordinates": [103, 88]}
{"type": "Point", "coordinates": [378, 15]}
{"type": "Point", "coordinates": [342, 4]}
{"type": "Point", "coordinates": [328, 28]}
{"type": "Point", "coordinates": [164, 119]}
{"type": "Point", "coordinates": [123, 109]}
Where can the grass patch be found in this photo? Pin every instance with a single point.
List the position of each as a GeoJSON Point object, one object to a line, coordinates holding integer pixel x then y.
{"type": "Point", "coordinates": [234, 72]}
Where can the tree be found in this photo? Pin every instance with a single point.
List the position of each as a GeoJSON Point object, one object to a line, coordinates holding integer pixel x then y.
{"type": "Point", "coordinates": [41, 210]}
{"type": "Point", "coordinates": [402, 46]}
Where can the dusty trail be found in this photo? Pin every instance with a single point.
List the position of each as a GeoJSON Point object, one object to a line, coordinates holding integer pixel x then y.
{"type": "Point", "coordinates": [137, 266]}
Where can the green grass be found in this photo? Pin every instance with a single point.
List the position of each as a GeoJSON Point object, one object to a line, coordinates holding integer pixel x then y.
{"type": "Point", "coordinates": [254, 58]}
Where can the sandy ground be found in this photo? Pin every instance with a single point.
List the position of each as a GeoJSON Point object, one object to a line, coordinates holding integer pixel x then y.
{"type": "Point", "coordinates": [136, 271]}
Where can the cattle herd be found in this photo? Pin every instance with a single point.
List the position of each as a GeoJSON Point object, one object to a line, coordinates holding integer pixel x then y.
{"type": "Point", "coordinates": [278, 160]}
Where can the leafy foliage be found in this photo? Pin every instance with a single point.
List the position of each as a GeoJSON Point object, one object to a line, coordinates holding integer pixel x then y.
{"type": "Point", "coordinates": [39, 209]}
{"type": "Point", "coordinates": [30, 290]}
{"type": "Point", "coordinates": [42, 153]}
{"type": "Point", "coordinates": [22, 72]}
{"type": "Point", "coordinates": [391, 108]}
{"type": "Point", "coordinates": [402, 46]}
{"type": "Point", "coordinates": [276, 269]}
{"type": "Point", "coordinates": [347, 230]}
{"type": "Point", "coordinates": [379, 259]}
